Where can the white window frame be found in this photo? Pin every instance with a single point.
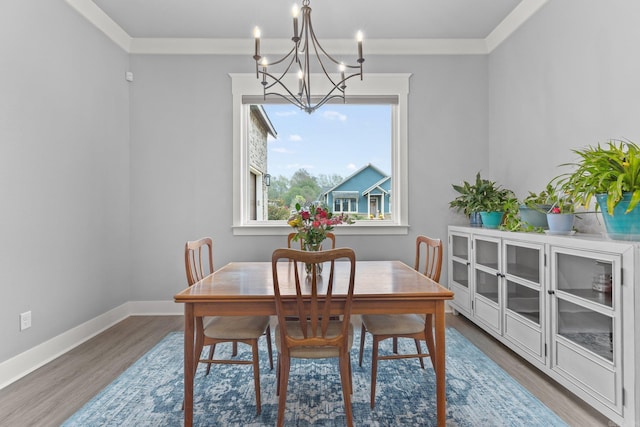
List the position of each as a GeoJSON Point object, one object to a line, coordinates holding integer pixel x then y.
{"type": "Point", "coordinates": [371, 86]}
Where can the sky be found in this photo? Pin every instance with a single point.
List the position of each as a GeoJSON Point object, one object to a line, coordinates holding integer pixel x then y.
{"type": "Point", "coordinates": [335, 139]}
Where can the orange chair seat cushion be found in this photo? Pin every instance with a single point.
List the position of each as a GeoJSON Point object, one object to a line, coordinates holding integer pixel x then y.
{"type": "Point", "coordinates": [294, 330]}
{"type": "Point", "coordinates": [393, 324]}
{"type": "Point", "coordinates": [235, 327]}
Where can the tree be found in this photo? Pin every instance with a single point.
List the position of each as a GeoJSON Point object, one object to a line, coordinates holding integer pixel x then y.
{"type": "Point", "coordinates": [279, 186]}
{"type": "Point", "coordinates": [304, 186]}
{"type": "Point", "coordinates": [328, 181]}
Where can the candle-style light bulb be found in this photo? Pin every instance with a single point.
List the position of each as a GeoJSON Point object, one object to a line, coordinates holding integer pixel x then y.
{"type": "Point", "coordinates": [256, 35]}
{"type": "Point", "coordinates": [359, 37]}
{"type": "Point", "coordinates": [300, 81]}
{"type": "Point", "coordinates": [264, 64]}
{"type": "Point", "coordinates": [342, 67]}
{"type": "Point", "coordinates": [295, 11]}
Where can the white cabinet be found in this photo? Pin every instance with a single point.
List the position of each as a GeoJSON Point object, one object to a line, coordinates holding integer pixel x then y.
{"type": "Point", "coordinates": [564, 303]}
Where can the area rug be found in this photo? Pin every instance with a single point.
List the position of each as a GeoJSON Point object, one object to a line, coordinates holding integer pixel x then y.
{"type": "Point", "coordinates": [479, 392]}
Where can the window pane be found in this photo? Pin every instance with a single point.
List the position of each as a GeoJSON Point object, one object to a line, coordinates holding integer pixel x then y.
{"type": "Point", "coordinates": [340, 155]}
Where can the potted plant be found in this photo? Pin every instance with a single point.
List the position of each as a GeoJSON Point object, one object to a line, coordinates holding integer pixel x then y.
{"type": "Point", "coordinates": [534, 208]}
{"type": "Point", "coordinates": [560, 216]}
{"type": "Point", "coordinates": [611, 174]}
{"type": "Point", "coordinates": [485, 198]}
{"type": "Point", "coordinates": [468, 199]}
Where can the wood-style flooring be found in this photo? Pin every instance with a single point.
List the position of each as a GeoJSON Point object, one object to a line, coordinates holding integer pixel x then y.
{"type": "Point", "coordinates": [51, 394]}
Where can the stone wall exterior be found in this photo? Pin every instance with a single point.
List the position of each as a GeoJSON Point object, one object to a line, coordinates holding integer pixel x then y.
{"type": "Point", "coordinates": [258, 158]}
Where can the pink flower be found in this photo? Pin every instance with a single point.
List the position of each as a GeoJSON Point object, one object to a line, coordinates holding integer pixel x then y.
{"type": "Point", "coordinates": [555, 210]}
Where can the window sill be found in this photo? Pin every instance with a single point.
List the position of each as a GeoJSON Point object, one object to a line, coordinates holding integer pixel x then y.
{"type": "Point", "coordinates": [368, 228]}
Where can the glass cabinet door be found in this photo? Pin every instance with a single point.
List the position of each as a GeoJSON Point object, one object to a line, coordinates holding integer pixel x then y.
{"type": "Point", "coordinates": [460, 259]}
{"type": "Point", "coordinates": [459, 271]}
{"type": "Point", "coordinates": [586, 327]}
{"type": "Point", "coordinates": [585, 292]}
{"type": "Point", "coordinates": [487, 291]}
{"type": "Point", "coordinates": [487, 285]}
{"type": "Point", "coordinates": [524, 301]}
{"type": "Point", "coordinates": [524, 321]}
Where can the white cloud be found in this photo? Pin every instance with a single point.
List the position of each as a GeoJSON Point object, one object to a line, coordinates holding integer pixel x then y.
{"type": "Point", "coordinates": [281, 150]}
{"type": "Point", "coordinates": [295, 137]}
{"type": "Point", "coordinates": [352, 167]}
{"type": "Point", "coordinates": [334, 115]}
{"type": "Point", "coordinates": [286, 113]}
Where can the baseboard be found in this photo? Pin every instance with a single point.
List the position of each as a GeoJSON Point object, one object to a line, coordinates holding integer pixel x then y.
{"type": "Point", "coordinates": [24, 363]}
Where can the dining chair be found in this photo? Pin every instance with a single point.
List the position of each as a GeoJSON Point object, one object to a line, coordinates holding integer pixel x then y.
{"type": "Point", "coordinates": [416, 326]}
{"type": "Point", "coordinates": [314, 334]}
{"type": "Point", "coordinates": [198, 256]}
{"type": "Point", "coordinates": [329, 235]}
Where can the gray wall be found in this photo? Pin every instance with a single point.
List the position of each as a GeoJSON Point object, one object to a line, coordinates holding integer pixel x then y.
{"type": "Point", "coordinates": [568, 78]}
{"type": "Point", "coordinates": [181, 154]}
{"type": "Point", "coordinates": [64, 172]}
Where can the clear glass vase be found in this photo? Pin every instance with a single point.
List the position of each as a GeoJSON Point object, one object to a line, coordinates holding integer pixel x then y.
{"type": "Point", "coordinates": [313, 247]}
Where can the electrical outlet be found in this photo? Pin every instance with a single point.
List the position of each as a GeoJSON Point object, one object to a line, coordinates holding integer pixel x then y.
{"type": "Point", "coordinates": [25, 320]}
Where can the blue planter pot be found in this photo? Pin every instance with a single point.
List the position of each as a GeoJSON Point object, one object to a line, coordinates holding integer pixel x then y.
{"type": "Point", "coordinates": [491, 219]}
{"type": "Point", "coordinates": [560, 223]}
{"type": "Point", "coordinates": [533, 217]}
{"type": "Point", "coordinates": [475, 220]}
{"type": "Point", "coordinates": [620, 225]}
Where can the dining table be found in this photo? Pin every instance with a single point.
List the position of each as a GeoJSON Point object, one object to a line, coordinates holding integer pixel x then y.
{"type": "Point", "coordinates": [381, 287]}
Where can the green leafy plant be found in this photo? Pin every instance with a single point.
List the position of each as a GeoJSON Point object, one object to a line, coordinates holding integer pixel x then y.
{"type": "Point", "coordinates": [560, 199]}
{"type": "Point", "coordinates": [613, 169]}
{"type": "Point", "coordinates": [482, 196]}
{"type": "Point", "coordinates": [539, 201]}
{"type": "Point", "coordinates": [512, 220]}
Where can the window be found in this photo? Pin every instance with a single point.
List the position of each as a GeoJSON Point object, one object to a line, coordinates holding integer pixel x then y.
{"type": "Point", "coordinates": [252, 129]}
{"type": "Point", "coordinates": [346, 205]}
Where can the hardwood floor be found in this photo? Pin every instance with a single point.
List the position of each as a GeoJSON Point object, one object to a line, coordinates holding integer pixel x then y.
{"type": "Point", "coordinates": [51, 394]}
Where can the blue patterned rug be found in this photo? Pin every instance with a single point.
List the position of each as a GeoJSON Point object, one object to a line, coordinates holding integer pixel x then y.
{"type": "Point", "coordinates": [479, 393]}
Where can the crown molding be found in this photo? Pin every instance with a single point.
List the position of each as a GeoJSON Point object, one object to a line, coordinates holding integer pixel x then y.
{"type": "Point", "coordinates": [518, 16]}
{"type": "Point", "coordinates": [201, 46]}
{"type": "Point", "coordinates": [103, 22]}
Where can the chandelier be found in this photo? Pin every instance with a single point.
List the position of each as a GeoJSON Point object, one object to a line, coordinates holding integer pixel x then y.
{"type": "Point", "coordinates": [299, 60]}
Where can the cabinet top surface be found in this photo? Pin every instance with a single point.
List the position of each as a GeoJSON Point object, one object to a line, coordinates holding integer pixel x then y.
{"type": "Point", "coordinates": [578, 239]}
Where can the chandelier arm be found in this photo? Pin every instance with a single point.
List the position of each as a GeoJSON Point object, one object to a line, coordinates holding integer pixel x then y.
{"type": "Point", "coordinates": [317, 46]}
{"type": "Point", "coordinates": [292, 99]}
{"type": "Point", "coordinates": [324, 100]}
{"type": "Point", "coordinates": [292, 51]}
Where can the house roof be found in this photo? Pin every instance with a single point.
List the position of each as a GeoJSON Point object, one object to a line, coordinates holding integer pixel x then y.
{"type": "Point", "coordinates": [367, 166]}
{"type": "Point", "coordinates": [264, 118]}
{"type": "Point", "coordinates": [378, 186]}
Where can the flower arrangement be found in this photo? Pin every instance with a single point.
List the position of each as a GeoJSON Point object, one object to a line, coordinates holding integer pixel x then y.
{"type": "Point", "coordinates": [313, 222]}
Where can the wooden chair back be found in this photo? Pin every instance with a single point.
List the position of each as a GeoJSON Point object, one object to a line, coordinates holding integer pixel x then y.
{"type": "Point", "coordinates": [198, 259]}
{"type": "Point", "coordinates": [313, 296]}
{"type": "Point", "coordinates": [330, 236]}
{"type": "Point", "coordinates": [432, 256]}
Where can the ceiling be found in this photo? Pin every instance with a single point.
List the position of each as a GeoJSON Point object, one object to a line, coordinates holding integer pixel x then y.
{"type": "Point", "coordinates": [133, 21]}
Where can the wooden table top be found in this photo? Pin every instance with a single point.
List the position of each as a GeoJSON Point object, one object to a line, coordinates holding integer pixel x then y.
{"type": "Point", "coordinates": [375, 280]}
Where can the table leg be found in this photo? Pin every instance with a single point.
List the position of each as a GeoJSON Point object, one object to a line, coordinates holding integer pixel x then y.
{"type": "Point", "coordinates": [441, 397]}
{"type": "Point", "coordinates": [188, 364]}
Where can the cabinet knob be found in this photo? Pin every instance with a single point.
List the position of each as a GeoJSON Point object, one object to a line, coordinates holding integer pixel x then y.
{"type": "Point", "coordinates": [551, 292]}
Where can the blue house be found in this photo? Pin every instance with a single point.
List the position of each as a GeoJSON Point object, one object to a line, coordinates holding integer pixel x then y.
{"type": "Point", "coordinates": [365, 192]}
